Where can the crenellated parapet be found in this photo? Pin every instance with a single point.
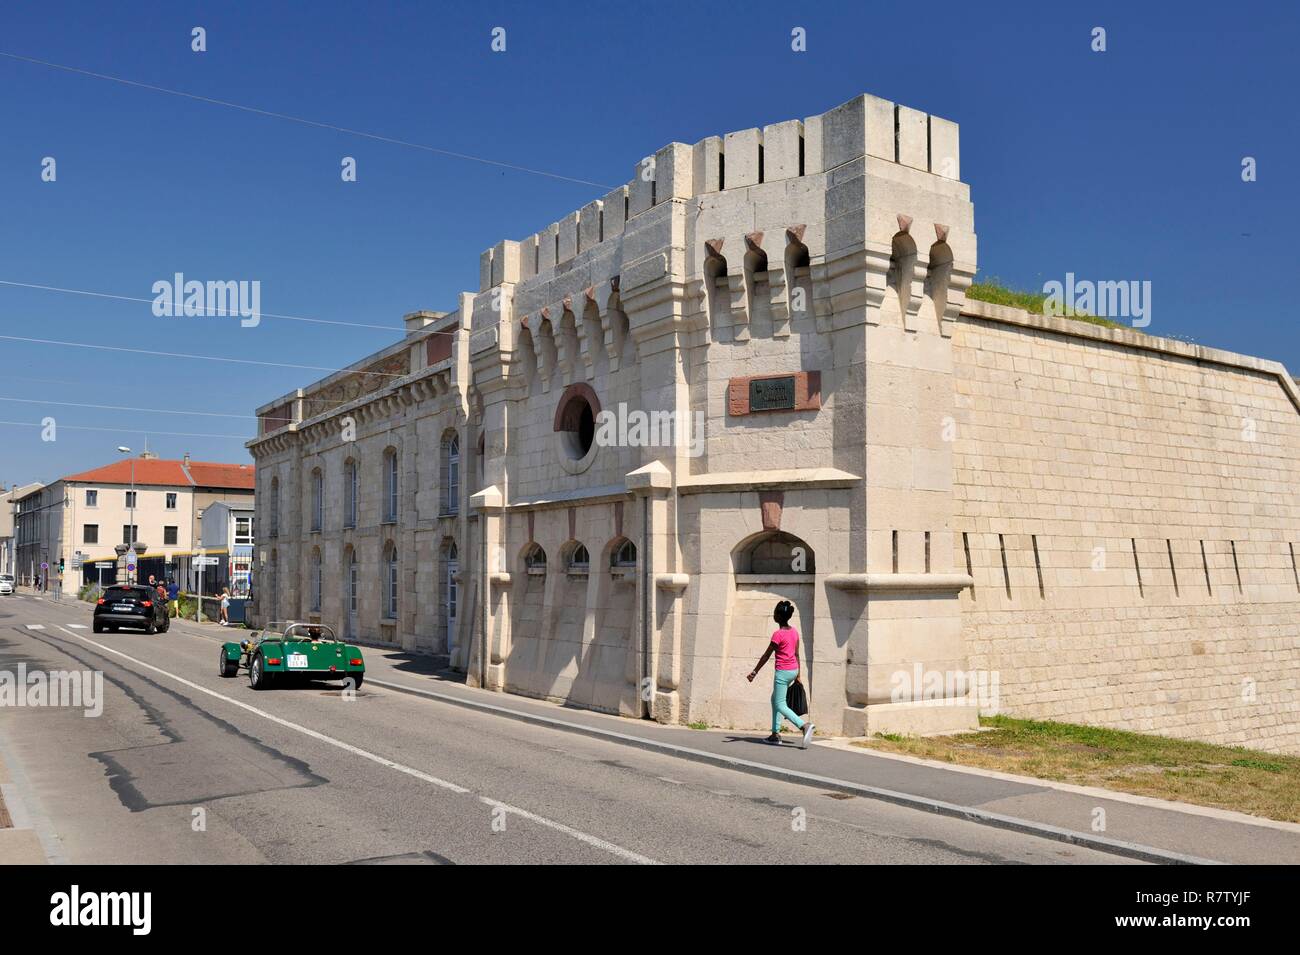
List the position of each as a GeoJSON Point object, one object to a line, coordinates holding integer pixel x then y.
{"type": "Point", "coordinates": [853, 216]}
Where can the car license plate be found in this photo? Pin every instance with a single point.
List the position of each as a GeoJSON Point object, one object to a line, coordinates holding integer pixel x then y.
{"type": "Point", "coordinates": [123, 606]}
{"type": "Point", "coordinates": [297, 661]}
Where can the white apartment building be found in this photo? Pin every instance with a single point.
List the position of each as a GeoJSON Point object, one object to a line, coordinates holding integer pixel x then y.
{"type": "Point", "coordinates": [80, 518]}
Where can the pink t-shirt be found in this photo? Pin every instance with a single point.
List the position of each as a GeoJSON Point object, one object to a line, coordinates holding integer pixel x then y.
{"type": "Point", "coordinates": [787, 641]}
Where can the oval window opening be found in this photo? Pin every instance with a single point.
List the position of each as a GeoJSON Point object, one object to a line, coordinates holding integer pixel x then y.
{"type": "Point", "coordinates": [578, 424]}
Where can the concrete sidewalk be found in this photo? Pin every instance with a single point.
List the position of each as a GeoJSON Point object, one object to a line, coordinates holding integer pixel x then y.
{"type": "Point", "coordinates": [1111, 821]}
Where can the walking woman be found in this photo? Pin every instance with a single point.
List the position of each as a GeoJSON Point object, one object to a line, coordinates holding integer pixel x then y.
{"type": "Point", "coordinates": [785, 644]}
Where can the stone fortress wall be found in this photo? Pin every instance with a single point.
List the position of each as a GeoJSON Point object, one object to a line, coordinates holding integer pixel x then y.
{"type": "Point", "coordinates": [1145, 495]}
{"type": "Point", "coordinates": [899, 437]}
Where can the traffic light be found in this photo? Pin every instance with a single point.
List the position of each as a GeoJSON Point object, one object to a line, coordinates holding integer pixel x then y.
{"type": "Point", "coordinates": [60, 565]}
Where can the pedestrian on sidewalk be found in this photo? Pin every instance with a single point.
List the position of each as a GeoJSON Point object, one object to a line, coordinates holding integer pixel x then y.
{"type": "Point", "coordinates": [785, 644]}
{"type": "Point", "coordinates": [173, 598]}
{"type": "Point", "coordinates": [225, 606]}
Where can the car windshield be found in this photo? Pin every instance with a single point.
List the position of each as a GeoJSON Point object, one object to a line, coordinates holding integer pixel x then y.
{"type": "Point", "coordinates": [125, 593]}
{"type": "Point", "coordinates": [308, 631]}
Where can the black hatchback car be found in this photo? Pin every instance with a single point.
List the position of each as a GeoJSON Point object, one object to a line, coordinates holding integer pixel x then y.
{"type": "Point", "coordinates": [131, 606]}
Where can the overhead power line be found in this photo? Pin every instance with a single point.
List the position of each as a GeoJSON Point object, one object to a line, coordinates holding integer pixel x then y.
{"type": "Point", "coordinates": [305, 122]}
{"type": "Point", "coordinates": [220, 312]}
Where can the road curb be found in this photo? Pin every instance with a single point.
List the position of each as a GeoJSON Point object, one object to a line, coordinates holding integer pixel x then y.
{"type": "Point", "coordinates": [1131, 850]}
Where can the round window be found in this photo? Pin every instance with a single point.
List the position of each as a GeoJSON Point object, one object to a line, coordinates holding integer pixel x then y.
{"type": "Point", "coordinates": [577, 427]}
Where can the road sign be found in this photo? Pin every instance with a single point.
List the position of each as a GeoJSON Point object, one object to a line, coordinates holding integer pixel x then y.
{"type": "Point", "coordinates": [103, 564]}
{"type": "Point", "coordinates": [44, 566]}
{"type": "Point", "coordinates": [130, 566]}
{"type": "Point", "coordinates": [204, 561]}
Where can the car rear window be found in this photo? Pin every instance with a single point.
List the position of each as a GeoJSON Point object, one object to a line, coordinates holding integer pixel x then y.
{"type": "Point", "coordinates": [124, 593]}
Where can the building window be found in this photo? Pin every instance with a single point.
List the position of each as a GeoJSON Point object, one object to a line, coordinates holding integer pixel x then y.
{"type": "Point", "coordinates": [275, 587]}
{"type": "Point", "coordinates": [90, 534]}
{"type": "Point", "coordinates": [579, 561]}
{"type": "Point", "coordinates": [92, 499]}
{"type": "Point", "coordinates": [171, 500]}
{"type": "Point", "coordinates": [451, 473]}
{"type": "Point", "coordinates": [275, 507]}
{"type": "Point", "coordinates": [130, 498]}
{"type": "Point", "coordinates": [451, 567]}
{"type": "Point", "coordinates": [624, 555]}
{"type": "Point", "coordinates": [777, 553]}
{"type": "Point", "coordinates": [350, 494]}
{"type": "Point", "coordinates": [390, 486]}
{"type": "Point", "coordinates": [575, 421]}
{"type": "Point", "coordinates": [130, 533]}
{"type": "Point", "coordinates": [535, 559]}
{"type": "Point", "coordinates": [315, 579]}
{"type": "Point", "coordinates": [317, 499]}
{"type": "Point", "coordinates": [169, 536]}
{"type": "Point", "coordinates": [390, 582]}
{"type": "Point", "coordinates": [243, 530]}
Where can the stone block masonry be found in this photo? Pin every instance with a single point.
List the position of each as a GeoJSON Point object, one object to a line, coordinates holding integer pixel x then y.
{"type": "Point", "coordinates": [1105, 520]}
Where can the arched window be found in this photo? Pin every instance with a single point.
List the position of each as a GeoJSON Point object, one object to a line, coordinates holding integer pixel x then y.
{"type": "Point", "coordinates": [390, 581]}
{"type": "Point", "coordinates": [351, 587]}
{"type": "Point", "coordinates": [315, 577]}
{"type": "Point", "coordinates": [350, 489]}
{"type": "Point", "coordinates": [578, 561]}
{"type": "Point", "coordinates": [390, 486]}
{"type": "Point", "coordinates": [317, 500]}
{"type": "Point", "coordinates": [535, 559]}
{"type": "Point", "coordinates": [624, 555]}
{"type": "Point", "coordinates": [450, 473]}
{"type": "Point", "coordinates": [273, 604]}
{"type": "Point", "coordinates": [777, 553]}
{"type": "Point", "coordinates": [275, 507]}
{"type": "Point", "coordinates": [450, 592]}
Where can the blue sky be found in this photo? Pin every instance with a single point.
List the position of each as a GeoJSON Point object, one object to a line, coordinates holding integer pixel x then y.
{"type": "Point", "coordinates": [1117, 165]}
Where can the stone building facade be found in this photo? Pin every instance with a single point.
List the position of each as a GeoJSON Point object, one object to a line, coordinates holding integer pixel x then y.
{"type": "Point", "coordinates": [752, 374]}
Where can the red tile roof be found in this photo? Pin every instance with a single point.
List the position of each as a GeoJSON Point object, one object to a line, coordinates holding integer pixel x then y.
{"type": "Point", "coordinates": [159, 471]}
{"type": "Point", "coordinates": [212, 474]}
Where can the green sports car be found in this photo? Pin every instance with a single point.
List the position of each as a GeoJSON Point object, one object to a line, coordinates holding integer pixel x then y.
{"type": "Point", "coordinates": [306, 651]}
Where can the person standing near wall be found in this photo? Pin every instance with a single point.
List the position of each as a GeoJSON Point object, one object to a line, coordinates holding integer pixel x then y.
{"type": "Point", "coordinates": [173, 598]}
{"type": "Point", "coordinates": [785, 644]}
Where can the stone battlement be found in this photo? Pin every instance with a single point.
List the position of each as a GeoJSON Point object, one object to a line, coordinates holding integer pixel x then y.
{"type": "Point", "coordinates": [865, 126]}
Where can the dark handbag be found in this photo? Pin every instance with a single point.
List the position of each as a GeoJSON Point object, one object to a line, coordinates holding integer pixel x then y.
{"type": "Point", "coordinates": [796, 698]}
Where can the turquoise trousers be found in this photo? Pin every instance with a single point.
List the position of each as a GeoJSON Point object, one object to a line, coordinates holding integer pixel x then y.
{"type": "Point", "coordinates": [779, 687]}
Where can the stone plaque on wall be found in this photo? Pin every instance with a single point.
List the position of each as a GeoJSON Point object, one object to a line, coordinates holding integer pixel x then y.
{"type": "Point", "coordinates": [796, 391]}
{"type": "Point", "coordinates": [771, 394]}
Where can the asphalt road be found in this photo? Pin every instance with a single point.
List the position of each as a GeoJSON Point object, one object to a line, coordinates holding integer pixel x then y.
{"type": "Point", "coordinates": [186, 767]}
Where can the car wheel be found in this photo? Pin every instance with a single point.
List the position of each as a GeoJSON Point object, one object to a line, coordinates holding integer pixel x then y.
{"type": "Point", "coordinates": [97, 626]}
{"type": "Point", "coordinates": [151, 628]}
{"type": "Point", "coordinates": [225, 666]}
{"type": "Point", "coordinates": [258, 678]}
{"type": "Point", "coordinates": [357, 679]}
{"type": "Point", "coordinates": [167, 624]}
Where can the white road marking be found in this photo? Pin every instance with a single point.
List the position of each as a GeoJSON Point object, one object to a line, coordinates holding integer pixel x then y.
{"type": "Point", "coordinates": [77, 626]}
{"type": "Point", "coordinates": [36, 626]}
{"type": "Point", "coordinates": [590, 840]}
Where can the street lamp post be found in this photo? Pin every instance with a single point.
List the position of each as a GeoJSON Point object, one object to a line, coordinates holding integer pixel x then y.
{"type": "Point", "coordinates": [131, 532]}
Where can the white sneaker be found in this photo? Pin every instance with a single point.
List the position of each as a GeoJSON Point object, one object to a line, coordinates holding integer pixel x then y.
{"type": "Point", "coordinates": [808, 728]}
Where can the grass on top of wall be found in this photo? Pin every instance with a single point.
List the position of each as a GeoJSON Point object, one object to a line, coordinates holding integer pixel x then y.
{"type": "Point", "coordinates": [1224, 777]}
{"type": "Point", "coordinates": [994, 292]}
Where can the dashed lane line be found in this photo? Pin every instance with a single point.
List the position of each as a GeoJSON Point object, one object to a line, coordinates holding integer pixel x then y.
{"type": "Point", "coordinates": [594, 841]}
